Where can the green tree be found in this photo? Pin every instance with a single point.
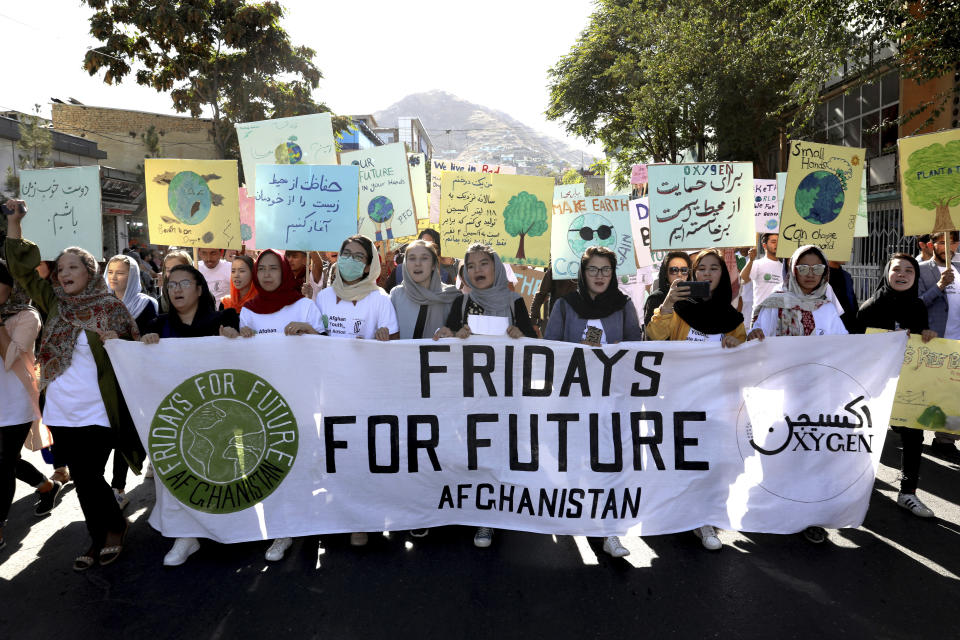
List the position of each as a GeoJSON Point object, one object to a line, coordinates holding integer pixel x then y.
{"type": "Point", "coordinates": [525, 215]}
{"type": "Point", "coordinates": [571, 176]}
{"type": "Point", "coordinates": [229, 56]}
{"type": "Point", "coordinates": [934, 192]}
{"type": "Point", "coordinates": [36, 141]}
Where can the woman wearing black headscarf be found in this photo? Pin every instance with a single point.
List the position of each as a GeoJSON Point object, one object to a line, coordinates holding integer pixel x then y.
{"type": "Point", "coordinates": [896, 304]}
{"type": "Point", "coordinates": [676, 266]}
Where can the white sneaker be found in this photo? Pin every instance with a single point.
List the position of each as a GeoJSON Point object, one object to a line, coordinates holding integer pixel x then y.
{"type": "Point", "coordinates": [708, 536]}
{"type": "Point", "coordinates": [182, 549]}
{"type": "Point", "coordinates": [611, 545]}
{"type": "Point", "coordinates": [911, 503]}
{"type": "Point", "coordinates": [358, 539]}
{"type": "Point", "coordinates": [483, 538]}
{"type": "Point", "coordinates": [277, 549]}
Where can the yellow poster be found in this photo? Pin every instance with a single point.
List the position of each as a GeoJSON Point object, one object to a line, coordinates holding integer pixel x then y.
{"type": "Point", "coordinates": [508, 212]}
{"type": "Point", "coordinates": [193, 203]}
{"type": "Point", "coordinates": [927, 395]}
{"type": "Point", "coordinates": [930, 175]}
{"type": "Point", "coordinates": [821, 199]}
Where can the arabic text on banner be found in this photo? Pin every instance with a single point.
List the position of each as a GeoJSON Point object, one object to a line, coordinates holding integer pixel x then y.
{"type": "Point", "coordinates": [439, 166]}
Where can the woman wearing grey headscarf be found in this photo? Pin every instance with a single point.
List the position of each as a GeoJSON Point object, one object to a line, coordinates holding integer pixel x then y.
{"type": "Point", "coordinates": [421, 300]}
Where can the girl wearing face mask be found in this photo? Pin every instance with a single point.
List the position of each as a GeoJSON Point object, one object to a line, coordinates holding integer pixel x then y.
{"type": "Point", "coordinates": [84, 409]}
{"type": "Point", "coordinates": [489, 295]}
{"type": "Point", "coordinates": [421, 301]}
{"type": "Point", "coordinates": [596, 313]}
{"type": "Point", "coordinates": [354, 306]}
{"type": "Point", "coordinates": [896, 304]}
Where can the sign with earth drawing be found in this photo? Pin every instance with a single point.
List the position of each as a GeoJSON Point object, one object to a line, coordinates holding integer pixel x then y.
{"type": "Point", "coordinates": [296, 140]}
{"type": "Point", "coordinates": [223, 440]}
{"type": "Point", "coordinates": [821, 199]}
{"type": "Point", "coordinates": [193, 203]}
{"type": "Point", "coordinates": [385, 208]}
{"type": "Point", "coordinates": [597, 221]}
{"type": "Point", "coordinates": [510, 213]}
{"type": "Point", "coordinates": [930, 175]}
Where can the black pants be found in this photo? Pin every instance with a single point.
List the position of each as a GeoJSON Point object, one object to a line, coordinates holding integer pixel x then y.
{"type": "Point", "coordinates": [86, 450]}
{"type": "Point", "coordinates": [912, 441]}
{"type": "Point", "coordinates": [120, 467]}
{"type": "Point", "coordinates": [12, 467]}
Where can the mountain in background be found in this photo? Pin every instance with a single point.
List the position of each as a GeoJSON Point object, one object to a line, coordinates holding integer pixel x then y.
{"type": "Point", "coordinates": [469, 132]}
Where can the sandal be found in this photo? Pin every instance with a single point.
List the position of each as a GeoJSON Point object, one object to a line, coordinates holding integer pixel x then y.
{"type": "Point", "coordinates": [61, 475]}
{"type": "Point", "coordinates": [85, 561]}
{"type": "Point", "coordinates": [109, 555]}
{"type": "Point", "coordinates": [815, 534]}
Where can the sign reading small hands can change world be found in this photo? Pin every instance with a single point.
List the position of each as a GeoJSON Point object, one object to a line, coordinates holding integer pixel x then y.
{"type": "Point", "coordinates": [222, 441]}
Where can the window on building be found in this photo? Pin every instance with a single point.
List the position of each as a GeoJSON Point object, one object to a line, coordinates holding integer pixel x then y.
{"type": "Point", "coordinates": [848, 119]}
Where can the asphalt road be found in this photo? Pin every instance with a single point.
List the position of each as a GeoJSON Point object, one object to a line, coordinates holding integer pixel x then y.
{"type": "Point", "coordinates": [894, 577]}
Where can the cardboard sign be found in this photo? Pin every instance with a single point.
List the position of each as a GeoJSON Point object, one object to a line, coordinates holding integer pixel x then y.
{"type": "Point", "coordinates": [436, 178]}
{"type": "Point", "coordinates": [930, 175]}
{"type": "Point", "coordinates": [601, 221]}
{"type": "Point", "coordinates": [385, 208]}
{"type": "Point", "coordinates": [296, 140]}
{"type": "Point", "coordinates": [638, 174]}
{"type": "Point", "coordinates": [766, 208]}
{"type": "Point", "coordinates": [63, 209]}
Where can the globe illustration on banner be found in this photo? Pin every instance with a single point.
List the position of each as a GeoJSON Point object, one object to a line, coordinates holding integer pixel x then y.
{"type": "Point", "coordinates": [288, 152]}
{"type": "Point", "coordinates": [224, 440]}
{"type": "Point", "coordinates": [819, 197]}
{"type": "Point", "coordinates": [380, 209]}
{"type": "Point", "coordinates": [591, 230]}
{"type": "Point", "coordinates": [188, 197]}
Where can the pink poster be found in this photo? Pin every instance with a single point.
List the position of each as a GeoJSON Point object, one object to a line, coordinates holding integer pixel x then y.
{"type": "Point", "coordinates": [248, 227]}
{"type": "Point", "coordinates": [638, 174]}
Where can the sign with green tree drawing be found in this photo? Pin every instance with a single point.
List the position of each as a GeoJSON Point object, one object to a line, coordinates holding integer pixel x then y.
{"type": "Point", "coordinates": [930, 174]}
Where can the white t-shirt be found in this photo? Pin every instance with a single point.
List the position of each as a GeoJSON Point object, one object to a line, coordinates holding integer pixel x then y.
{"type": "Point", "coordinates": [746, 297]}
{"type": "Point", "coordinates": [73, 398]}
{"type": "Point", "coordinates": [218, 279]}
{"type": "Point", "coordinates": [697, 336]}
{"type": "Point", "coordinates": [15, 408]}
{"type": "Point", "coordinates": [302, 310]}
{"type": "Point", "coordinates": [361, 319]}
{"type": "Point", "coordinates": [952, 292]}
{"type": "Point", "coordinates": [767, 276]}
{"type": "Point", "coordinates": [826, 322]}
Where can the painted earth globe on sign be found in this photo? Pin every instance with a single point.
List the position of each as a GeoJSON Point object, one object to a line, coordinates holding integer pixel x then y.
{"type": "Point", "coordinates": [189, 197]}
{"type": "Point", "coordinates": [819, 197]}
{"type": "Point", "coordinates": [380, 209]}
{"type": "Point", "coordinates": [246, 232]}
{"type": "Point", "coordinates": [288, 152]}
{"type": "Point", "coordinates": [223, 440]}
{"type": "Point", "coordinates": [591, 230]}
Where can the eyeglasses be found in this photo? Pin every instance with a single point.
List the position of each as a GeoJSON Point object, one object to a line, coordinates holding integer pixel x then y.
{"type": "Point", "coordinates": [679, 270]}
{"type": "Point", "coordinates": [604, 271]}
{"type": "Point", "coordinates": [807, 269]}
{"type": "Point", "coordinates": [359, 257]}
{"type": "Point", "coordinates": [603, 232]}
{"type": "Point", "coordinates": [183, 284]}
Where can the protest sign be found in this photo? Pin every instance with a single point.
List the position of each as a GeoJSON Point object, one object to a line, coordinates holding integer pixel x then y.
{"type": "Point", "coordinates": [510, 213]}
{"type": "Point", "coordinates": [640, 227]}
{"type": "Point", "coordinates": [930, 175]}
{"type": "Point", "coordinates": [63, 209]}
{"type": "Point", "coordinates": [248, 222]}
{"type": "Point", "coordinates": [418, 184]}
{"type": "Point", "coordinates": [821, 199]}
{"type": "Point", "coordinates": [781, 189]}
{"type": "Point", "coordinates": [547, 437]}
{"type": "Point", "coordinates": [597, 221]}
{"type": "Point", "coordinates": [306, 207]}
{"type": "Point", "coordinates": [528, 282]}
{"type": "Point", "coordinates": [699, 205]}
{"type": "Point", "coordinates": [436, 178]}
{"type": "Point", "coordinates": [568, 192]}
{"type": "Point", "coordinates": [296, 140]}
{"type": "Point", "coordinates": [385, 207]}
{"type": "Point", "coordinates": [927, 395]}
{"type": "Point", "coordinates": [638, 174]}
{"type": "Point", "coordinates": [193, 203]}
{"type": "Point", "coordinates": [860, 230]}
{"type": "Point", "coordinates": [766, 209]}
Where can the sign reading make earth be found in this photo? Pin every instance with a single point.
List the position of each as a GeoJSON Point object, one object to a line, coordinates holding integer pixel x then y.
{"type": "Point", "coordinates": [222, 441]}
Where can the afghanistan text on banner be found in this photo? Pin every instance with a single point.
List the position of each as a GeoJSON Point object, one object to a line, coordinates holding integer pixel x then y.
{"type": "Point", "coordinates": [766, 211]}
{"type": "Point", "coordinates": [436, 179]}
{"type": "Point", "coordinates": [597, 221]}
{"type": "Point", "coordinates": [930, 175]}
{"type": "Point", "coordinates": [385, 207]}
{"type": "Point", "coordinates": [296, 140]}
{"type": "Point", "coordinates": [193, 203]}
{"type": "Point", "coordinates": [306, 207]}
{"type": "Point", "coordinates": [549, 437]}
{"type": "Point", "coordinates": [640, 227]}
{"type": "Point", "coordinates": [821, 199]}
{"type": "Point", "coordinates": [927, 395]}
{"type": "Point", "coordinates": [510, 213]}
{"type": "Point", "coordinates": [63, 209]}
{"type": "Point", "coordinates": [699, 205]}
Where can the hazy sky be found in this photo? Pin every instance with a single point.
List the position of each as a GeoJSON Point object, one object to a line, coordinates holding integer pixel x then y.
{"type": "Point", "coordinates": [494, 53]}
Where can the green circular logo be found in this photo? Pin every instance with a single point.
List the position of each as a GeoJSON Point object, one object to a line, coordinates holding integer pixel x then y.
{"type": "Point", "coordinates": [223, 440]}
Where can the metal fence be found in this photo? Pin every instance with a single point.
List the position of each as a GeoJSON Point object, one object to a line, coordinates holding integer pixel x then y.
{"type": "Point", "coordinates": [870, 254]}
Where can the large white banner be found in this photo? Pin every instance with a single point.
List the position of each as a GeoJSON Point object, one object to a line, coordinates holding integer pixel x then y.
{"type": "Point", "coordinates": [287, 436]}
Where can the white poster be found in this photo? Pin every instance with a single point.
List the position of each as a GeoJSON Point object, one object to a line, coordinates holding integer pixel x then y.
{"type": "Point", "coordinates": [635, 438]}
